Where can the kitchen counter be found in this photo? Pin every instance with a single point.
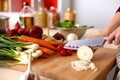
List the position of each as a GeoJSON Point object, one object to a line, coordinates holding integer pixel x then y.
{"type": "Point", "coordinates": [9, 74]}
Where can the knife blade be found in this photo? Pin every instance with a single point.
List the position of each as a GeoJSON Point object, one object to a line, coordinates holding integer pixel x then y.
{"type": "Point", "coordinates": [91, 42]}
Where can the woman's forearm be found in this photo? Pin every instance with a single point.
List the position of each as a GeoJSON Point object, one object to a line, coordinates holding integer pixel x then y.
{"type": "Point", "coordinates": [113, 24]}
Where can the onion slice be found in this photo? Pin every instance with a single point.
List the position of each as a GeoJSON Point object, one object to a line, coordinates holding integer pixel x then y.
{"type": "Point", "coordinates": [85, 54]}
{"type": "Point", "coordinates": [80, 65]}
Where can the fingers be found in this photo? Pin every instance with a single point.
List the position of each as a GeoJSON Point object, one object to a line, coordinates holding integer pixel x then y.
{"type": "Point", "coordinates": [114, 36]}
{"type": "Point", "coordinates": [111, 37]}
{"type": "Point", "coordinates": [117, 39]}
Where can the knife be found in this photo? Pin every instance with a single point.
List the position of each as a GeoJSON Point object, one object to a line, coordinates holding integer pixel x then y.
{"type": "Point", "coordinates": [91, 42]}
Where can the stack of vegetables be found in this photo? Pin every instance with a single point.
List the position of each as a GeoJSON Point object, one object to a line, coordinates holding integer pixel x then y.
{"type": "Point", "coordinates": [17, 43]}
{"type": "Point", "coordinates": [13, 50]}
{"type": "Point", "coordinates": [18, 47]}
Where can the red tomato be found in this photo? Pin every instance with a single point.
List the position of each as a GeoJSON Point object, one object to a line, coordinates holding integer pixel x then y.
{"type": "Point", "coordinates": [69, 52]}
{"type": "Point", "coordinates": [63, 52]}
{"type": "Point", "coordinates": [59, 47]}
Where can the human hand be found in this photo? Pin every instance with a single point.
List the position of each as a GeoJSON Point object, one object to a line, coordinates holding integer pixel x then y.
{"type": "Point", "coordinates": [115, 35]}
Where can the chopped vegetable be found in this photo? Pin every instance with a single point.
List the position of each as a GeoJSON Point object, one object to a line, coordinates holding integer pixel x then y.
{"type": "Point", "coordinates": [85, 53]}
{"type": "Point", "coordinates": [92, 66]}
{"type": "Point", "coordinates": [81, 65]}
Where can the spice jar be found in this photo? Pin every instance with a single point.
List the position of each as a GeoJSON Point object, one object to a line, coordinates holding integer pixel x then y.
{"type": "Point", "coordinates": [4, 5]}
{"type": "Point", "coordinates": [69, 15]}
{"type": "Point", "coordinates": [53, 18]}
{"type": "Point", "coordinates": [4, 22]}
{"type": "Point", "coordinates": [41, 18]}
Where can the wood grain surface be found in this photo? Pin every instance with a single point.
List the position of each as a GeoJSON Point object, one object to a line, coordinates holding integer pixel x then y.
{"type": "Point", "coordinates": [59, 68]}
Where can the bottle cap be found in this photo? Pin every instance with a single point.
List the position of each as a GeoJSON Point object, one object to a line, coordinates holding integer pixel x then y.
{"type": "Point", "coordinates": [52, 7]}
{"type": "Point", "coordinates": [25, 3]}
{"type": "Point", "coordinates": [41, 8]}
{"type": "Point", "coordinates": [69, 9]}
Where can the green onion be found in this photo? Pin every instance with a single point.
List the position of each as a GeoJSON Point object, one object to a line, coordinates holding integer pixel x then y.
{"type": "Point", "coordinates": [16, 51]}
{"type": "Point", "coordinates": [8, 50]}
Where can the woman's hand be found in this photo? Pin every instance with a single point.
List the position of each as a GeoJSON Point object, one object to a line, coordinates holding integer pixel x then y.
{"type": "Point", "coordinates": [114, 36]}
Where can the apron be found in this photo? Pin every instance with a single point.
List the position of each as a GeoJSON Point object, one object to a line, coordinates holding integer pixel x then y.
{"type": "Point", "coordinates": [118, 63]}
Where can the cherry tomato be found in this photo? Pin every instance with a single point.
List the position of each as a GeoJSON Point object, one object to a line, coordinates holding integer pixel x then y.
{"type": "Point", "coordinates": [63, 52]}
{"type": "Point", "coordinates": [59, 47]}
{"type": "Point", "coordinates": [69, 52]}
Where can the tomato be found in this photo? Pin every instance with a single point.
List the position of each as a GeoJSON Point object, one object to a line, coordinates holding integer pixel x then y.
{"type": "Point", "coordinates": [63, 52]}
{"type": "Point", "coordinates": [69, 52]}
{"type": "Point", "coordinates": [59, 47]}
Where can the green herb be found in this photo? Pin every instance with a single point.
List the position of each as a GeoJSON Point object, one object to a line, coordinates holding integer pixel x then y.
{"type": "Point", "coordinates": [66, 24]}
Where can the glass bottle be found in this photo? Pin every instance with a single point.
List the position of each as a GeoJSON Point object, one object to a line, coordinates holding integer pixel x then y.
{"type": "Point", "coordinates": [69, 15]}
{"type": "Point", "coordinates": [53, 18]}
{"type": "Point", "coordinates": [40, 3]}
{"type": "Point", "coordinates": [26, 16]}
{"type": "Point", "coordinates": [41, 17]}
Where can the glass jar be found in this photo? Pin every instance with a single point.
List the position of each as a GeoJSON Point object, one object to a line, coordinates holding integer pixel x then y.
{"type": "Point", "coordinates": [41, 18]}
{"type": "Point", "coordinates": [26, 16]}
{"type": "Point", "coordinates": [53, 18]}
{"type": "Point", "coordinates": [4, 23]}
{"type": "Point", "coordinates": [69, 15]}
{"type": "Point", "coordinates": [4, 5]}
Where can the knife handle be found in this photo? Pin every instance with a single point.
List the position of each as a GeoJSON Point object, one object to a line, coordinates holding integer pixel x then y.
{"type": "Point", "coordinates": [105, 39]}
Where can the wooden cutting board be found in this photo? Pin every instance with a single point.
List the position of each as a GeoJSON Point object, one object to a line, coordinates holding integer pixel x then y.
{"type": "Point", "coordinates": [59, 68]}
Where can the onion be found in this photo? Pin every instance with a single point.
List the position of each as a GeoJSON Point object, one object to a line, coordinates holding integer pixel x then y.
{"type": "Point", "coordinates": [92, 66]}
{"type": "Point", "coordinates": [80, 65]}
{"type": "Point", "coordinates": [85, 53]}
{"type": "Point", "coordinates": [72, 36]}
{"type": "Point", "coordinates": [35, 31]}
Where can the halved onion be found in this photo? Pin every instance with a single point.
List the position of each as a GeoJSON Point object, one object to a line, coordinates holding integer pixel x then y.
{"type": "Point", "coordinates": [85, 53]}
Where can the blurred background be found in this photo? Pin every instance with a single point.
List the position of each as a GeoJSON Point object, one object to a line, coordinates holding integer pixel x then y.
{"type": "Point", "coordinates": [97, 13]}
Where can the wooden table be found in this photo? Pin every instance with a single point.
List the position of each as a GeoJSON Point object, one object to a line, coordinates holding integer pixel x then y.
{"type": "Point", "coordinates": [59, 68]}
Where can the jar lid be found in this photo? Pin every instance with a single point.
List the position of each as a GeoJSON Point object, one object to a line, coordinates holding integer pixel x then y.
{"type": "Point", "coordinates": [3, 17]}
{"type": "Point", "coordinates": [25, 3]}
{"type": "Point", "coordinates": [69, 9]}
{"type": "Point", "coordinates": [52, 8]}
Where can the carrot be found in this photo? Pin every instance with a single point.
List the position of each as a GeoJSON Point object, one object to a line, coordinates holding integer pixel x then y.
{"type": "Point", "coordinates": [47, 50]}
{"type": "Point", "coordinates": [54, 43]}
{"type": "Point", "coordinates": [38, 41]}
{"type": "Point", "coordinates": [44, 56]}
